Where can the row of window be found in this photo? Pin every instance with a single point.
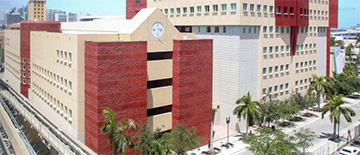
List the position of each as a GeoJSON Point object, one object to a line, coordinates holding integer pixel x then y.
{"type": "Point", "coordinates": [227, 29]}
{"type": "Point", "coordinates": [276, 89]}
{"type": "Point", "coordinates": [52, 78]}
{"type": "Point", "coordinates": [275, 69]}
{"type": "Point", "coordinates": [286, 29]}
{"type": "Point", "coordinates": [302, 83]}
{"type": "Point", "coordinates": [320, 1]}
{"type": "Point", "coordinates": [200, 9]}
{"type": "Point", "coordinates": [282, 49]}
{"type": "Point", "coordinates": [305, 65]}
{"type": "Point", "coordinates": [64, 57]}
{"type": "Point", "coordinates": [54, 103]}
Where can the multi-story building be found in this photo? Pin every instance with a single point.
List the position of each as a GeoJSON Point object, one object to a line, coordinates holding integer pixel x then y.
{"type": "Point", "coordinates": [60, 17]}
{"type": "Point", "coordinates": [2, 39]}
{"type": "Point", "coordinates": [264, 47]}
{"type": "Point", "coordinates": [72, 17]}
{"type": "Point", "coordinates": [12, 17]}
{"type": "Point", "coordinates": [50, 14]}
{"type": "Point", "coordinates": [37, 10]}
{"type": "Point", "coordinates": [143, 69]}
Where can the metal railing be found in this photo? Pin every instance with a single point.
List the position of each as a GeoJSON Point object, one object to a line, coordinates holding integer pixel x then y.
{"type": "Point", "coordinates": [16, 125]}
{"type": "Point", "coordinates": [60, 142]}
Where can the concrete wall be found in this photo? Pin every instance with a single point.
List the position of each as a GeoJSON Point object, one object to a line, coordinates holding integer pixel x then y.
{"type": "Point", "coordinates": [12, 59]}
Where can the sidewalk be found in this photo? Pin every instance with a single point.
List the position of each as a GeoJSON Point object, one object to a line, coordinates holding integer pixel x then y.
{"type": "Point", "coordinates": [239, 146]}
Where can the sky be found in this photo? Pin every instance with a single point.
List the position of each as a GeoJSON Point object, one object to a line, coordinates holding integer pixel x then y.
{"type": "Point", "coordinates": [349, 10]}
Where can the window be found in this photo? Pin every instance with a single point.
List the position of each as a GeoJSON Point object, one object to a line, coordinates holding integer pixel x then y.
{"type": "Point", "coordinates": [314, 63]}
{"type": "Point", "coordinates": [244, 6]}
{"type": "Point", "coordinates": [258, 8]}
{"type": "Point", "coordinates": [192, 10]}
{"type": "Point", "coordinates": [249, 29]}
{"type": "Point", "coordinates": [301, 65]}
{"type": "Point", "coordinates": [225, 29]}
{"type": "Point", "coordinates": [24, 67]}
{"type": "Point", "coordinates": [24, 81]}
{"type": "Point", "coordinates": [215, 8]}
{"type": "Point", "coordinates": [271, 29]}
{"type": "Point", "coordinates": [276, 49]}
{"type": "Point", "coordinates": [223, 7]}
{"type": "Point", "coordinates": [252, 7]}
{"type": "Point", "coordinates": [199, 9]}
{"type": "Point", "coordinates": [216, 29]}
{"type": "Point", "coordinates": [178, 11]}
{"type": "Point", "coordinates": [264, 50]}
{"type": "Point", "coordinates": [207, 8]}
{"type": "Point", "coordinates": [24, 60]}
{"type": "Point", "coordinates": [275, 89]}
{"type": "Point", "coordinates": [208, 29]}
{"type": "Point", "coordinates": [287, 48]}
{"type": "Point", "coordinates": [233, 6]}
{"type": "Point", "coordinates": [306, 63]}
{"type": "Point", "coordinates": [310, 63]}
{"type": "Point", "coordinates": [269, 90]}
{"type": "Point", "coordinates": [276, 29]}
{"type": "Point", "coordinates": [301, 82]}
{"type": "Point", "coordinates": [297, 65]}
{"type": "Point", "coordinates": [282, 29]}
{"type": "Point", "coordinates": [24, 74]}
{"type": "Point", "coordinates": [281, 87]}
{"type": "Point", "coordinates": [287, 67]}
{"type": "Point", "coordinates": [264, 91]}
{"type": "Point", "coordinates": [314, 46]}
{"type": "Point", "coordinates": [287, 86]}
{"type": "Point", "coordinates": [184, 10]}
{"type": "Point", "coordinates": [287, 29]}
{"type": "Point", "coordinates": [57, 51]}
{"type": "Point", "coordinates": [270, 50]}
{"type": "Point", "coordinates": [271, 9]}
{"type": "Point", "coordinates": [70, 57]}
{"type": "Point", "coordinates": [264, 71]}
{"type": "Point", "coordinates": [70, 113]}
{"type": "Point", "coordinates": [282, 68]}
{"type": "Point", "coordinates": [265, 8]}
{"type": "Point", "coordinates": [282, 49]}
{"type": "Point", "coordinates": [285, 10]}
{"type": "Point", "coordinates": [264, 29]}
{"type": "Point", "coordinates": [65, 55]}
{"type": "Point", "coordinates": [302, 46]}
{"type": "Point", "coordinates": [166, 11]}
{"type": "Point", "coordinates": [244, 30]}
{"type": "Point", "coordinates": [296, 83]}
{"type": "Point", "coordinates": [276, 69]}
{"type": "Point", "coordinates": [235, 30]}
{"type": "Point", "coordinates": [270, 70]}
{"type": "Point", "coordinates": [255, 29]}
{"type": "Point", "coordinates": [278, 10]}
{"type": "Point", "coordinates": [62, 55]}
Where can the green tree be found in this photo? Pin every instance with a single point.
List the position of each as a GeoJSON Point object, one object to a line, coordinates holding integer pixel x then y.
{"type": "Point", "coordinates": [311, 100]}
{"type": "Point", "coordinates": [304, 138]}
{"type": "Point", "coordinates": [152, 143]}
{"type": "Point", "coordinates": [268, 142]}
{"type": "Point", "coordinates": [248, 109]}
{"type": "Point", "coordinates": [336, 108]}
{"type": "Point", "coordinates": [117, 131]}
{"type": "Point", "coordinates": [340, 43]}
{"type": "Point", "coordinates": [269, 111]}
{"type": "Point", "coordinates": [287, 109]}
{"type": "Point", "coordinates": [349, 51]}
{"type": "Point", "coordinates": [319, 85]}
{"type": "Point", "coordinates": [332, 41]}
{"type": "Point", "coordinates": [350, 70]}
{"type": "Point", "coordinates": [183, 139]}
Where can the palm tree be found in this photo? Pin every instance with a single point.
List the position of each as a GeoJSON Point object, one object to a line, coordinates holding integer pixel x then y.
{"type": "Point", "coordinates": [247, 109]}
{"type": "Point", "coordinates": [335, 82]}
{"type": "Point", "coordinates": [319, 85]}
{"type": "Point", "coordinates": [117, 131]}
{"type": "Point", "coordinates": [336, 108]}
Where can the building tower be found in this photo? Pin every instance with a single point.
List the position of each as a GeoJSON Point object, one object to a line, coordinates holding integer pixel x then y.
{"type": "Point", "coordinates": [37, 10]}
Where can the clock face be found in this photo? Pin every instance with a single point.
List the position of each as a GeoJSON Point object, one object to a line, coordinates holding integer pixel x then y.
{"type": "Point", "coordinates": [157, 29]}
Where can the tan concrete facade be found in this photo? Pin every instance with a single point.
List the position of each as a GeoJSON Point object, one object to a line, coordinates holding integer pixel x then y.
{"type": "Point", "coordinates": [12, 59]}
{"type": "Point", "coordinates": [57, 72]}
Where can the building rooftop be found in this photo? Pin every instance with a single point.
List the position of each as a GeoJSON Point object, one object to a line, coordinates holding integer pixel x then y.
{"type": "Point", "coordinates": [108, 26]}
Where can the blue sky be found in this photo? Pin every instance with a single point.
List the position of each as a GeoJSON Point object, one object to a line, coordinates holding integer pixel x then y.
{"type": "Point", "coordinates": [349, 10]}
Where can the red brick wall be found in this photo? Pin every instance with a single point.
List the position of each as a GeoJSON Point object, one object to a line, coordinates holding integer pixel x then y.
{"type": "Point", "coordinates": [25, 28]}
{"type": "Point", "coordinates": [333, 13]}
{"type": "Point", "coordinates": [116, 78]}
{"type": "Point", "coordinates": [292, 20]}
{"type": "Point", "coordinates": [192, 85]}
{"type": "Point", "coordinates": [132, 7]}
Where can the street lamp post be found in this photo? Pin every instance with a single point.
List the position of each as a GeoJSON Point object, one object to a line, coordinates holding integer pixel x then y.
{"type": "Point", "coordinates": [228, 144]}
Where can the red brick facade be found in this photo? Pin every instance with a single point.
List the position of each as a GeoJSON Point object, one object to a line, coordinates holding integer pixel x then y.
{"type": "Point", "coordinates": [116, 78]}
{"type": "Point", "coordinates": [132, 7]}
{"type": "Point", "coordinates": [192, 85]}
{"type": "Point", "coordinates": [333, 23]}
{"type": "Point", "coordinates": [25, 28]}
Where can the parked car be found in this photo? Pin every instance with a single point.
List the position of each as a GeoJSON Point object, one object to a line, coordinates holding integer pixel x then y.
{"type": "Point", "coordinates": [356, 143]}
{"type": "Point", "coordinates": [350, 150]}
